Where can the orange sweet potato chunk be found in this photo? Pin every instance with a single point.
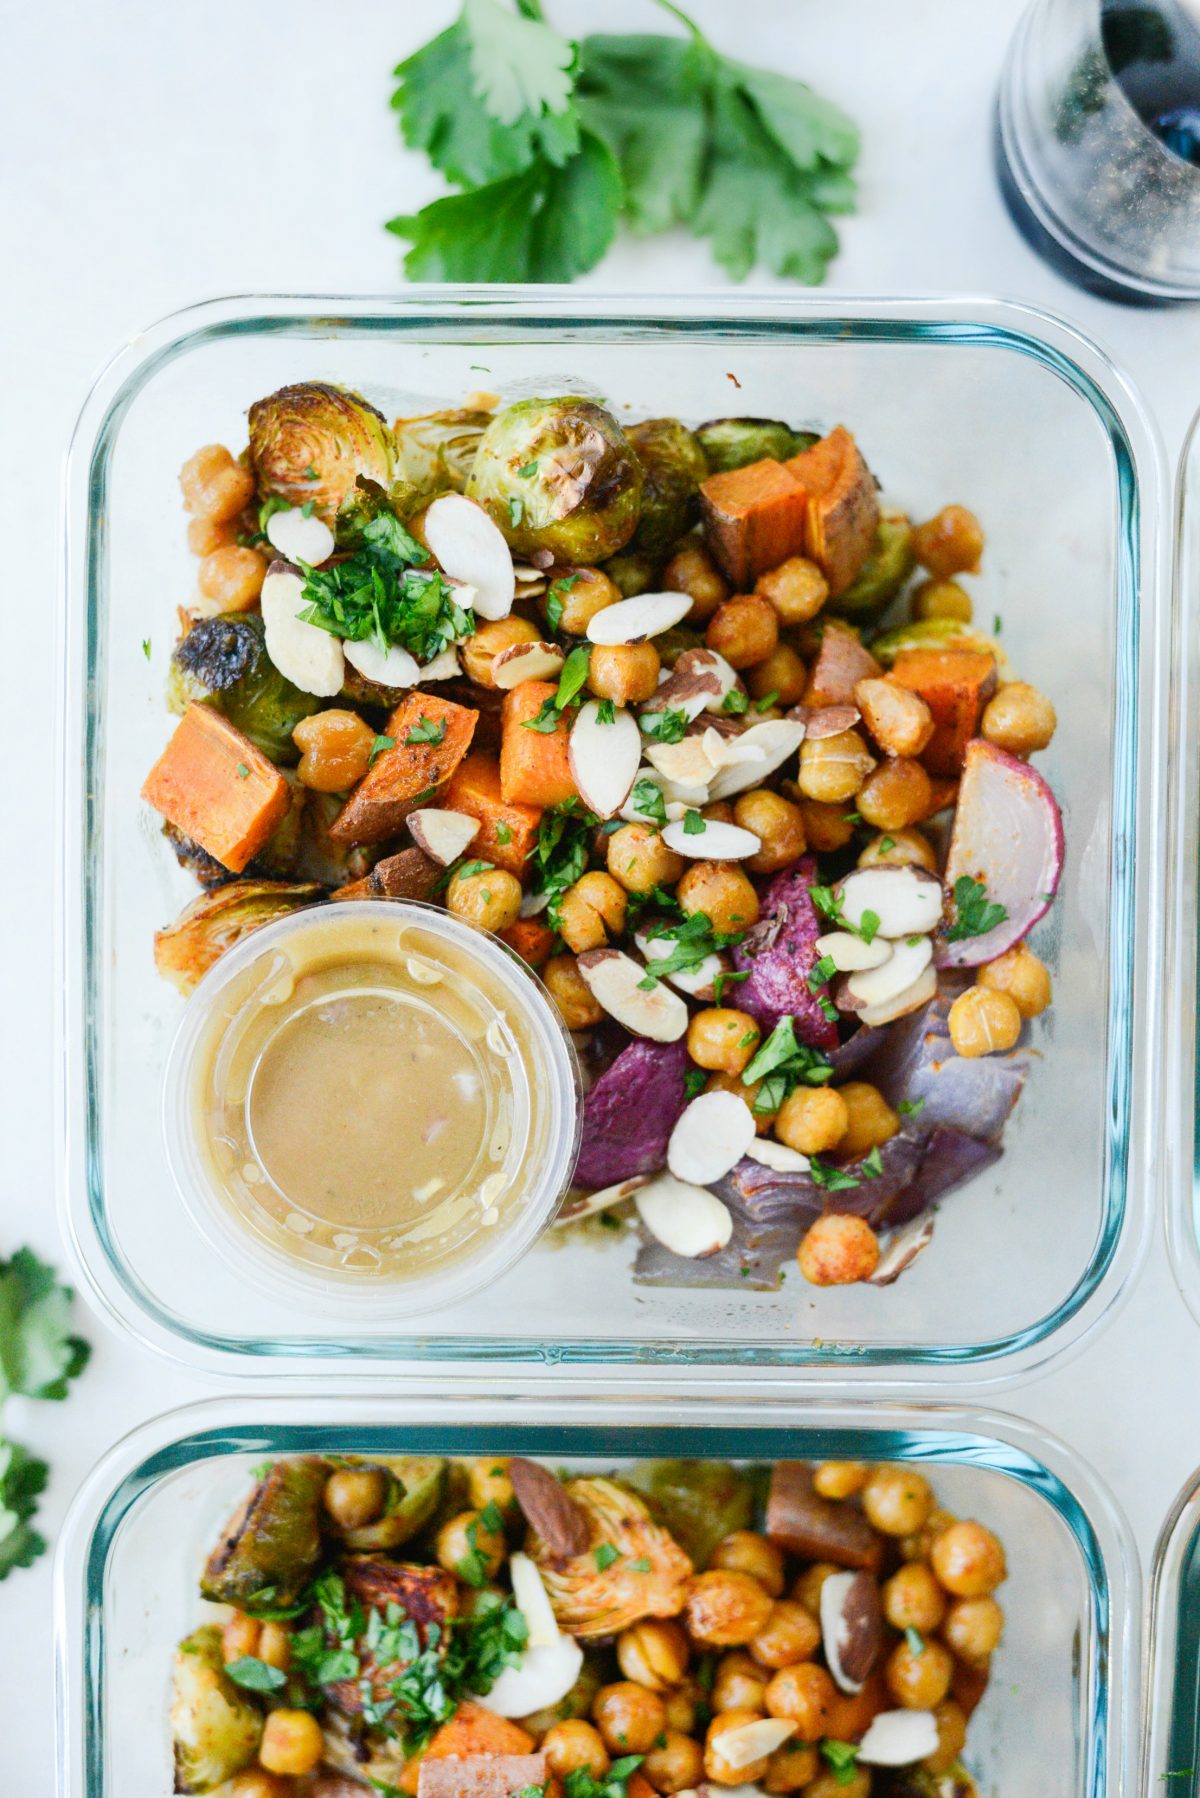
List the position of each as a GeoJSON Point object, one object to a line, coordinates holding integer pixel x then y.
{"type": "Point", "coordinates": [841, 663]}
{"type": "Point", "coordinates": [409, 774]}
{"type": "Point", "coordinates": [753, 519]}
{"type": "Point", "coordinates": [471, 1731]}
{"type": "Point", "coordinates": [955, 684]}
{"type": "Point", "coordinates": [842, 512]}
{"type": "Point", "coordinates": [507, 831]}
{"type": "Point", "coordinates": [531, 939]}
{"type": "Point", "coordinates": [211, 783]}
{"type": "Point", "coordinates": [534, 768]}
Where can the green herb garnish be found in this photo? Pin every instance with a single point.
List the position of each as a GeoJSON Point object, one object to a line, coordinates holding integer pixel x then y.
{"type": "Point", "coordinates": [604, 1555]}
{"type": "Point", "coordinates": [255, 1675]}
{"type": "Point", "coordinates": [378, 747]}
{"type": "Point", "coordinates": [647, 798]}
{"type": "Point", "coordinates": [833, 1179]}
{"type": "Point", "coordinates": [427, 730]}
{"type": "Point", "coordinates": [667, 726]}
{"type": "Point", "coordinates": [975, 912]}
{"type": "Point", "coordinates": [781, 1064]}
{"type": "Point", "coordinates": [379, 595]}
{"type": "Point", "coordinates": [694, 824]}
{"type": "Point", "coordinates": [842, 1757]}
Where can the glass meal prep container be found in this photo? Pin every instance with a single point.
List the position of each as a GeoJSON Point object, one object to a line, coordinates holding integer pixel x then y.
{"type": "Point", "coordinates": [990, 404]}
{"type": "Point", "coordinates": [1060, 1713]}
{"type": "Point", "coordinates": [1171, 1757]}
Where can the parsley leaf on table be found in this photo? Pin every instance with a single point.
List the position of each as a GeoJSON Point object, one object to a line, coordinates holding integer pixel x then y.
{"type": "Point", "coordinates": [38, 1353]}
{"type": "Point", "coordinates": [22, 1480]}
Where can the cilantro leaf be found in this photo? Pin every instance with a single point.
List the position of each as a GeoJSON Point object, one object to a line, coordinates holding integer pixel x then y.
{"type": "Point", "coordinates": [975, 913]}
{"type": "Point", "coordinates": [38, 1353]}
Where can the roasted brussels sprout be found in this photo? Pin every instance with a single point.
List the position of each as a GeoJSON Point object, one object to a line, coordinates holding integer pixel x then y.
{"type": "Point", "coordinates": [216, 920]}
{"type": "Point", "coordinates": [416, 1485]}
{"type": "Point", "coordinates": [435, 451]}
{"type": "Point", "coordinates": [272, 1543]}
{"type": "Point", "coordinates": [936, 633]}
{"type": "Point", "coordinates": [632, 572]}
{"type": "Point", "coordinates": [215, 1728]}
{"type": "Point", "coordinates": [219, 652]}
{"type": "Point", "coordinates": [559, 475]}
{"type": "Point", "coordinates": [883, 573]}
{"type": "Point", "coordinates": [310, 442]}
{"type": "Point", "coordinates": [736, 442]}
{"type": "Point", "coordinates": [224, 662]}
{"type": "Point", "coordinates": [699, 1501]}
{"type": "Point", "coordinates": [673, 466]}
{"type": "Point", "coordinates": [366, 501]}
{"type": "Point", "coordinates": [595, 1595]}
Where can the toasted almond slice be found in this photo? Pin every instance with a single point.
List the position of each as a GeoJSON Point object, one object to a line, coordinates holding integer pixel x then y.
{"type": "Point", "coordinates": [777, 738]}
{"type": "Point", "coordinates": [849, 953]}
{"type": "Point", "coordinates": [471, 548]}
{"type": "Point", "coordinates": [901, 1250]}
{"type": "Point", "coordinates": [698, 682]}
{"type": "Point", "coordinates": [587, 1204]}
{"type": "Point", "coordinates": [441, 834]}
{"type": "Point", "coordinates": [711, 1136]}
{"type": "Point", "coordinates": [715, 841]}
{"type": "Point", "coordinates": [903, 967]}
{"type": "Point", "coordinates": [533, 1601]}
{"type": "Point", "coordinates": [912, 998]}
{"type": "Point", "coordinates": [777, 1155]}
{"type": "Point", "coordinates": [614, 978]}
{"type": "Point", "coordinates": [688, 1220]}
{"type": "Point", "coordinates": [830, 721]}
{"type": "Point", "coordinates": [684, 764]}
{"type": "Point", "coordinates": [851, 1627]}
{"type": "Point", "coordinates": [298, 538]}
{"type": "Point", "coordinates": [391, 667]}
{"type": "Point", "coordinates": [745, 1743]}
{"type": "Point", "coordinates": [898, 1738]}
{"type": "Point", "coordinates": [527, 661]}
{"type": "Point", "coordinates": [633, 620]}
{"type": "Point", "coordinates": [906, 900]}
{"type": "Point", "coordinates": [541, 1678]}
{"type": "Point", "coordinates": [533, 903]}
{"type": "Point", "coordinates": [604, 758]}
{"type": "Point", "coordinates": [444, 666]}
{"type": "Point", "coordinates": [309, 657]}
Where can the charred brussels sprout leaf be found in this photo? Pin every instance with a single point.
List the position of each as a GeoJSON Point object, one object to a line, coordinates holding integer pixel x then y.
{"type": "Point", "coordinates": [673, 465]}
{"type": "Point", "coordinates": [219, 652]}
{"type": "Point", "coordinates": [736, 442]}
{"type": "Point", "coordinates": [435, 451]}
{"type": "Point", "coordinates": [698, 1501]}
{"type": "Point", "coordinates": [215, 1728]}
{"type": "Point", "coordinates": [309, 444]}
{"type": "Point", "coordinates": [884, 572]}
{"type": "Point", "coordinates": [272, 1543]}
{"type": "Point", "coordinates": [216, 920]}
{"type": "Point", "coordinates": [415, 1484]}
{"type": "Point", "coordinates": [559, 475]}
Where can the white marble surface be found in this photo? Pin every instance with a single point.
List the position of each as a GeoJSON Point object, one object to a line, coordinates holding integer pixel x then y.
{"type": "Point", "coordinates": [151, 155]}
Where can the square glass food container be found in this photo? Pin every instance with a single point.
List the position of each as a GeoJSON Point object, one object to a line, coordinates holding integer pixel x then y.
{"type": "Point", "coordinates": [1171, 1749]}
{"type": "Point", "coordinates": [1060, 1714]}
{"type": "Point", "coordinates": [986, 403]}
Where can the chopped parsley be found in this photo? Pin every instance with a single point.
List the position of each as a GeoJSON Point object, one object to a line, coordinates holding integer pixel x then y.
{"type": "Point", "coordinates": [255, 1675]}
{"type": "Point", "coordinates": [827, 902]}
{"type": "Point", "coordinates": [734, 703]}
{"type": "Point", "coordinates": [560, 855]}
{"type": "Point", "coordinates": [556, 599]}
{"type": "Point", "coordinates": [570, 683]}
{"type": "Point", "coordinates": [529, 469]}
{"type": "Point", "coordinates": [606, 712]}
{"type": "Point", "coordinates": [915, 1640]}
{"type": "Point", "coordinates": [427, 730]}
{"type": "Point", "coordinates": [146, 647]}
{"type": "Point", "coordinates": [377, 748]}
{"type": "Point", "coordinates": [694, 939]}
{"type": "Point", "coordinates": [243, 773]}
{"type": "Point", "coordinates": [975, 913]}
{"type": "Point", "coordinates": [822, 973]}
{"type": "Point", "coordinates": [503, 833]}
{"type": "Point", "coordinates": [782, 1064]}
{"type": "Point", "coordinates": [911, 1108]}
{"type": "Point", "coordinates": [647, 798]}
{"type": "Point", "coordinates": [842, 1757]}
{"type": "Point", "coordinates": [466, 870]}
{"type": "Point", "coordinates": [579, 1782]}
{"type": "Point", "coordinates": [727, 978]}
{"type": "Point", "coordinates": [767, 701]}
{"type": "Point", "coordinates": [516, 510]}
{"type": "Point", "coordinates": [694, 1083]}
{"type": "Point", "coordinates": [666, 726]}
{"type": "Point", "coordinates": [872, 1164]}
{"type": "Point", "coordinates": [641, 1565]}
{"type": "Point", "coordinates": [605, 1555]}
{"type": "Point", "coordinates": [379, 595]}
{"type": "Point", "coordinates": [694, 824]}
{"type": "Point", "coordinates": [833, 1179]}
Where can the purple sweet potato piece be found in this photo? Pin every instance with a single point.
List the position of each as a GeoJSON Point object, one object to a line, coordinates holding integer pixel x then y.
{"type": "Point", "coordinates": [780, 953]}
{"type": "Point", "coordinates": [630, 1112]}
{"type": "Point", "coordinates": [917, 1062]}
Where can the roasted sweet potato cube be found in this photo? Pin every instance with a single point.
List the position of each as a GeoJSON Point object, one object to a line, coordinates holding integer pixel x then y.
{"type": "Point", "coordinates": [530, 939]}
{"type": "Point", "coordinates": [840, 664]}
{"type": "Point", "coordinates": [534, 766]}
{"type": "Point", "coordinates": [753, 519]}
{"type": "Point", "coordinates": [409, 774]}
{"type": "Point", "coordinates": [955, 684]}
{"type": "Point", "coordinates": [507, 831]}
{"type": "Point", "coordinates": [471, 1732]}
{"type": "Point", "coordinates": [211, 783]}
{"type": "Point", "coordinates": [480, 1775]}
{"type": "Point", "coordinates": [842, 506]}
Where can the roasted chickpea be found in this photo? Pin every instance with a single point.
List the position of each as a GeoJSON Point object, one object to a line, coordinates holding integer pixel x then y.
{"type": "Point", "coordinates": [983, 1021]}
{"type": "Point", "coordinates": [275, 1646]}
{"type": "Point", "coordinates": [916, 1548]}
{"type": "Point", "coordinates": [789, 1635]}
{"type": "Point", "coordinates": [899, 849]}
{"type": "Point", "coordinates": [692, 570]}
{"type": "Point", "coordinates": [804, 1694]}
{"type": "Point", "coordinates": [780, 677]}
{"type": "Point", "coordinates": [832, 769]}
{"type": "Point", "coordinates": [912, 1599]}
{"type": "Point", "coordinates": [733, 1083]}
{"type": "Point", "coordinates": [653, 1653]}
{"type": "Point", "coordinates": [231, 578]}
{"type": "Point", "coordinates": [467, 1540]}
{"type": "Point", "coordinates": [723, 1040]}
{"type": "Point", "coordinates": [291, 1742]}
{"type": "Point", "coordinates": [919, 1682]}
{"type": "Point", "coordinates": [949, 543]}
{"type": "Point", "coordinates": [591, 912]}
{"type": "Point", "coordinates": [571, 993]}
{"type": "Point", "coordinates": [256, 1782]}
{"type": "Point", "coordinates": [838, 1250]}
{"type": "Point", "coordinates": [897, 1499]}
{"type": "Point", "coordinates": [720, 1770]}
{"type": "Point", "coordinates": [214, 485]}
{"type": "Point", "coordinates": [628, 1717]}
{"type": "Point", "coordinates": [792, 1767]}
{"type": "Point", "coordinates": [491, 899]}
{"type": "Point", "coordinates": [840, 1479]}
{"type": "Point", "coordinates": [206, 534]}
{"type": "Point", "coordinates": [854, 1783]}
{"type": "Point", "coordinates": [336, 748]}
{"type": "Point", "coordinates": [797, 589]}
{"type": "Point", "coordinates": [872, 1120]}
{"type": "Point", "coordinates": [489, 1483]}
{"type": "Point", "coordinates": [683, 1706]}
{"type": "Point", "coordinates": [738, 1683]}
{"type": "Point", "coordinates": [942, 599]}
{"type": "Point", "coordinates": [973, 1629]}
{"type": "Point", "coordinates": [744, 629]}
{"type": "Point", "coordinates": [807, 1589]}
{"type": "Point", "coordinates": [745, 1551]}
{"type": "Point", "coordinates": [1019, 719]}
{"type": "Point", "coordinates": [777, 823]}
{"type": "Point", "coordinates": [674, 1764]}
{"type": "Point", "coordinates": [720, 811]}
{"type": "Point", "coordinates": [812, 1119]}
{"type": "Point", "coordinates": [722, 892]}
{"type": "Point", "coordinates": [900, 722]}
{"type": "Point", "coordinates": [491, 638]}
{"type": "Point", "coordinates": [853, 1713]}
{"type": "Point", "coordinates": [895, 794]}
{"type": "Point", "coordinates": [725, 1609]}
{"type": "Point", "coordinates": [573, 1745]}
{"type": "Point", "coordinates": [640, 860]}
{"type": "Point", "coordinates": [968, 1560]}
{"type": "Point", "coordinates": [1023, 976]}
{"type": "Point", "coordinates": [582, 592]}
{"type": "Point", "coordinates": [826, 827]}
{"type": "Point", "coordinates": [623, 672]}
{"type": "Point", "coordinates": [952, 1737]}
{"type": "Point", "coordinates": [239, 1637]}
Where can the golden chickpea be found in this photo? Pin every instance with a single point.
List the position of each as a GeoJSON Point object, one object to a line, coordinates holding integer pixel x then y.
{"type": "Point", "coordinates": [722, 892]}
{"type": "Point", "coordinates": [812, 1119]}
{"type": "Point", "coordinates": [653, 1653]}
{"type": "Point", "coordinates": [231, 578]}
{"type": "Point", "coordinates": [792, 1767]}
{"type": "Point", "coordinates": [733, 1083]}
{"type": "Point", "coordinates": [491, 899]}
{"type": "Point", "coordinates": [739, 1683]}
{"type": "Point", "coordinates": [692, 570]}
{"type": "Point", "coordinates": [853, 1713]}
{"type": "Point", "coordinates": [626, 673]}
{"type": "Point", "coordinates": [683, 1706]}
{"type": "Point", "coordinates": [239, 1637]}
{"type": "Point", "coordinates": [780, 678]}
{"type": "Point", "coordinates": [206, 534]}
{"type": "Point", "coordinates": [720, 811]}
{"type": "Point", "coordinates": [591, 912]}
{"type": "Point", "coordinates": [582, 592]}
{"type": "Point", "coordinates": [573, 1745]}
{"type": "Point", "coordinates": [214, 485]}
{"type": "Point", "coordinates": [466, 1541]}
{"type": "Point", "coordinates": [489, 1483]}
{"type": "Point", "coordinates": [973, 1629]}
{"type": "Point", "coordinates": [919, 1682]}
{"type": "Point", "coordinates": [872, 1120]}
{"type": "Point", "coordinates": [291, 1742]}
{"type": "Point", "coordinates": [832, 769]}
{"type": "Point", "coordinates": [777, 823]}
{"type": "Point", "coordinates": [491, 638]}
{"type": "Point", "coordinates": [1023, 976]}
{"type": "Point", "coordinates": [275, 1646]}
{"type": "Point", "coordinates": [628, 1717]}
{"type": "Point", "coordinates": [725, 1609]}
{"type": "Point", "coordinates": [899, 721]}
{"type": "Point", "coordinates": [571, 993]}
{"type": "Point", "coordinates": [840, 1479]}
{"type": "Point", "coordinates": [744, 629]}
{"type": "Point", "coordinates": [895, 794]}
{"type": "Point", "coordinates": [717, 1768]}
{"type": "Point", "coordinates": [256, 1782]}
{"type": "Point", "coordinates": [838, 1251]}
{"type": "Point", "coordinates": [640, 860]}
{"type": "Point", "coordinates": [837, 1785]}
{"type": "Point", "coordinates": [724, 1040]}
{"type": "Point", "coordinates": [674, 1764]}
{"type": "Point", "coordinates": [789, 1635]}
{"type": "Point", "coordinates": [1019, 719]}
{"type": "Point", "coordinates": [336, 748]}
{"type": "Point", "coordinates": [807, 1589]}
{"type": "Point", "coordinates": [826, 827]}
{"type": "Point", "coordinates": [912, 1599]}
{"type": "Point", "coordinates": [899, 849]}
{"type": "Point", "coordinates": [805, 1695]}
{"type": "Point", "coordinates": [917, 1548]}
{"type": "Point", "coordinates": [952, 1737]}
{"type": "Point", "coordinates": [942, 599]}
{"type": "Point", "coordinates": [745, 1551]}
{"type": "Point", "coordinates": [797, 589]}
{"type": "Point", "coordinates": [984, 1022]}
{"type": "Point", "coordinates": [897, 1499]}
{"type": "Point", "coordinates": [949, 543]}
{"type": "Point", "coordinates": [968, 1560]}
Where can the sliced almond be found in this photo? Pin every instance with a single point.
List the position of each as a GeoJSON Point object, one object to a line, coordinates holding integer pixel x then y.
{"type": "Point", "coordinates": [634, 814]}
{"type": "Point", "coordinates": [777, 738]}
{"type": "Point", "coordinates": [849, 953]}
{"type": "Point", "coordinates": [698, 682]}
{"type": "Point", "coordinates": [777, 1155]}
{"type": "Point", "coordinates": [614, 980]}
{"type": "Point", "coordinates": [873, 987]}
{"type": "Point", "coordinates": [828, 720]}
{"type": "Point", "coordinates": [441, 834]}
{"type": "Point", "coordinates": [604, 758]}
{"type": "Point", "coordinates": [444, 666]}
{"type": "Point", "coordinates": [922, 990]}
{"type": "Point", "coordinates": [685, 764]}
{"type": "Point", "coordinates": [715, 840]}
{"type": "Point", "coordinates": [851, 1627]}
{"type": "Point", "coordinates": [391, 667]}
{"type": "Point", "coordinates": [696, 982]}
{"type": "Point", "coordinates": [309, 657]}
{"type": "Point", "coordinates": [634, 620]}
{"type": "Point", "coordinates": [527, 661]}
{"type": "Point", "coordinates": [744, 1743]}
{"type": "Point", "coordinates": [533, 903]}
{"type": "Point", "coordinates": [901, 1250]}
{"type": "Point", "coordinates": [470, 547]}
{"type": "Point", "coordinates": [548, 1509]}
{"type": "Point", "coordinates": [686, 1219]}
{"type": "Point", "coordinates": [298, 538]}
{"type": "Point", "coordinates": [906, 900]}
{"type": "Point", "coordinates": [533, 1601]}
{"type": "Point", "coordinates": [898, 1738]}
{"type": "Point", "coordinates": [711, 1136]}
{"type": "Point", "coordinates": [588, 1204]}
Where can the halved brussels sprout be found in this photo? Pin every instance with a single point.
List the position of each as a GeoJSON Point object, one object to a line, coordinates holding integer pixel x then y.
{"type": "Point", "coordinates": [673, 466]}
{"type": "Point", "coordinates": [310, 443]}
{"type": "Point", "coordinates": [272, 1544]}
{"type": "Point", "coordinates": [435, 451]}
{"type": "Point", "coordinates": [883, 573]}
{"type": "Point", "coordinates": [415, 1485]}
{"type": "Point", "coordinates": [936, 633]}
{"type": "Point", "coordinates": [216, 920]}
{"type": "Point", "coordinates": [215, 1728]}
{"type": "Point", "coordinates": [671, 644]}
{"type": "Point", "coordinates": [559, 475]}
{"type": "Point", "coordinates": [736, 442]}
{"type": "Point", "coordinates": [699, 1501]}
{"type": "Point", "coordinates": [224, 662]}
